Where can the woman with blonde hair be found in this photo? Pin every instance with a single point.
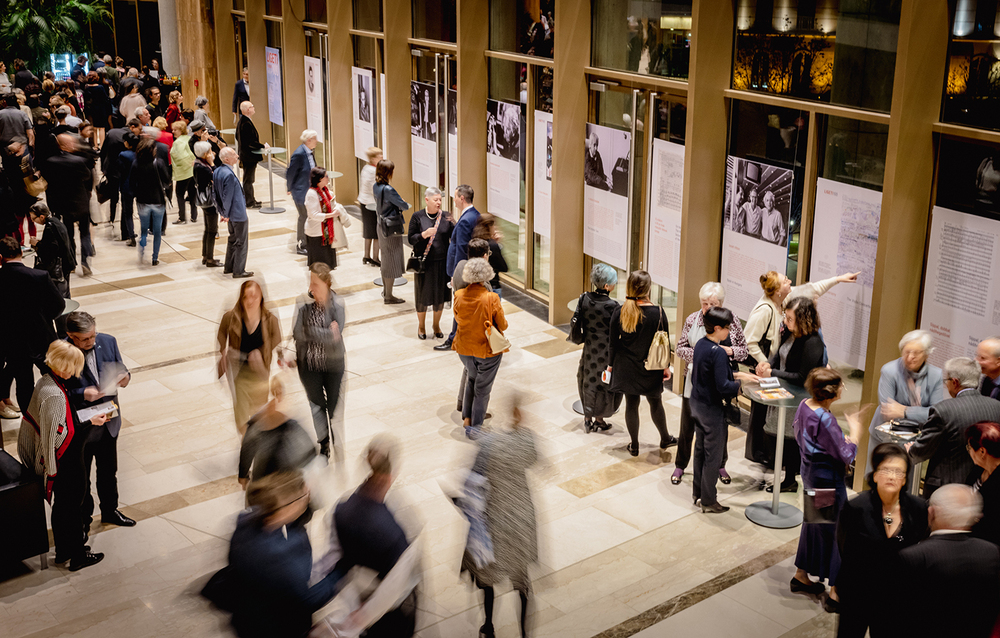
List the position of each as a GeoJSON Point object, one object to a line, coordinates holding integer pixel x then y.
{"type": "Point", "coordinates": [248, 335]}
{"type": "Point", "coordinates": [366, 198]}
{"type": "Point", "coordinates": [176, 101]}
{"type": "Point", "coordinates": [633, 327]}
{"type": "Point", "coordinates": [51, 443]}
{"type": "Point", "coordinates": [182, 159]}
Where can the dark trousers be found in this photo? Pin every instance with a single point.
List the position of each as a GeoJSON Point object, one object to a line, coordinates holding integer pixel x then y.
{"type": "Point", "coordinates": [300, 225]}
{"type": "Point", "coordinates": [113, 201]}
{"type": "Point", "coordinates": [67, 499]}
{"type": "Point", "coordinates": [323, 391]}
{"type": "Point", "coordinates": [211, 217]}
{"type": "Point", "coordinates": [128, 227]}
{"type": "Point", "coordinates": [249, 170]}
{"type": "Point", "coordinates": [236, 248]}
{"type": "Point", "coordinates": [86, 248]}
{"type": "Point", "coordinates": [18, 369]}
{"type": "Point", "coordinates": [861, 616]}
{"type": "Point", "coordinates": [482, 372]}
{"type": "Point", "coordinates": [656, 411]}
{"type": "Point", "coordinates": [685, 438]}
{"type": "Point", "coordinates": [710, 423]}
{"type": "Point", "coordinates": [103, 448]}
{"type": "Point", "coordinates": [757, 448]}
{"type": "Point", "coordinates": [185, 195]}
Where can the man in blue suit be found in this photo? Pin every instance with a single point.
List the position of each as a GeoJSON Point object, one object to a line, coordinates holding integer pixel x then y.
{"type": "Point", "coordinates": [101, 361]}
{"type": "Point", "coordinates": [459, 247]}
{"type": "Point", "coordinates": [232, 209]}
{"type": "Point", "coordinates": [297, 181]}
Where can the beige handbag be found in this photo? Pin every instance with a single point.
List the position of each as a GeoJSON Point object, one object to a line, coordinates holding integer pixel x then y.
{"type": "Point", "coordinates": [659, 351]}
{"type": "Point", "coordinates": [340, 222]}
{"type": "Point", "coordinates": [498, 342]}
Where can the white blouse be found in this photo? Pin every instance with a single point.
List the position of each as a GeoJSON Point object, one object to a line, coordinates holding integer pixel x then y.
{"type": "Point", "coordinates": [366, 182]}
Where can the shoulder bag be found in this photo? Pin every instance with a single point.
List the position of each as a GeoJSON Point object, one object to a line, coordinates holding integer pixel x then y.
{"type": "Point", "coordinates": [498, 342]}
{"type": "Point", "coordinates": [576, 323]}
{"type": "Point", "coordinates": [416, 264]}
{"type": "Point", "coordinates": [765, 343]}
{"type": "Point", "coordinates": [392, 221]}
{"type": "Point", "coordinates": [659, 351]}
{"type": "Point", "coordinates": [34, 183]}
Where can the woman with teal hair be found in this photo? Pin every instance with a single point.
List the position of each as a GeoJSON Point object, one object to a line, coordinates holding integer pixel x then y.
{"type": "Point", "coordinates": [593, 317]}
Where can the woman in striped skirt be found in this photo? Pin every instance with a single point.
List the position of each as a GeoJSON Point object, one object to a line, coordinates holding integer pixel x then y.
{"type": "Point", "coordinates": [389, 207]}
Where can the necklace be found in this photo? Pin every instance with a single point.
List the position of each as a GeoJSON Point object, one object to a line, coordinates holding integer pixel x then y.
{"type": "Point", "coordinates": [887, 516]}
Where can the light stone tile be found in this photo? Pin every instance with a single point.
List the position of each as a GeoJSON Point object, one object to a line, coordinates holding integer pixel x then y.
{"type": "Point", "coordinates": [716, 616]}
{"type": "Point", "coordinates": [581, 535]}
{"type": "Point", "coordinates": [149, 486]}
{"type": "Point", "coordinates": [216, 517]}
{"type": "Point", "coordinates": [649, 506]}
{"type": "Point", "coordinates": [591, 580]}
{"type": "Point", "coordinates": [769, 591]}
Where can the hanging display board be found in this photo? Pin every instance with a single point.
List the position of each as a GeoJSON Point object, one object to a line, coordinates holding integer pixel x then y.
{"type": "Point", "coordinates": [452, 139]}
{"type": "Point", "coordinates": [364, 132]}
{"type": "Point", "coordinates": [314, 96]}
{"type": "Point", "coordinates": [666, 194]}
{"type": "Point", "coordinates": [272, 59]}
{"type": "Point", "coordinates": [423, 133]}
{"type": "Point", "coordinates": [503, 165]}
{"type": "Point", "coordinates": [606, 204]}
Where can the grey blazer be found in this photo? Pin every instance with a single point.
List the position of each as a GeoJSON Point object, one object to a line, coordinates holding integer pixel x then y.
{"type": "Point", "coordinates": [942, 439]}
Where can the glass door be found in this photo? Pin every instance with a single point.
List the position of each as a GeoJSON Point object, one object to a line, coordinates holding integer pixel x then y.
{"type": "Point", "coordinates": [240, 33]}
{"type": "Point", "coordinates": [318, 46]}
{"type": "Point", "coordinates": [433, 124]}
{"type": "Point", "coordinates": [368, 54]}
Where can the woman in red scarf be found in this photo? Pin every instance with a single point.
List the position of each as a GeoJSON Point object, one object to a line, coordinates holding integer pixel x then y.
{"type": "Point", "coordinates": [51, 442]}
{"type": "Point", "coordinates": [321, 209]}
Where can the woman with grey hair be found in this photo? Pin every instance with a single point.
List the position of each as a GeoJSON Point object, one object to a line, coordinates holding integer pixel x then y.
{"type": "Point", "coordinates": [907, 387]}
{"type": "Point", "coordinates": [711, 295]}
{"type": "Point", "coordinates": [200, 114]}
{"type": "Point", "coordinates": [593, 318]}
{"type": "Point", "coordinates": [204, 198]}
{"type": "Point", "coordinates": [429, 233]}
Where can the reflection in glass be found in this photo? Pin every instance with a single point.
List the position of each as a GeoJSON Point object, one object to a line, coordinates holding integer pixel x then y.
{"type": "Point", "coordinates": [522, 26]}
{"type": "Point", "coordinates": [854, 152]}
{"type": "Point", "coordinates": [652, 38]}
{"type": "Point", "coordinates": [316, 11]}
{"type": "Point", "coordinates": [791, 47]}
{"type": "Point", "coordinates": [368, 15]}
{"type": "Point", "coordinates": [969, 177]}
{"type": "Point", "coordinates": [972, 93]}
{"type": "Point", "coordinates": [434, 20]}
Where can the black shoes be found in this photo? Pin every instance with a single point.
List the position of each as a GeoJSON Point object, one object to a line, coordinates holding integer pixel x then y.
{"type": "Point", "coordinates": [373, 262]}
{"type": "Point", "coordinates": [713, 509]}
{"type": "Point", "coordinates": [670, 441]}
{"type": "Point", "coordinates": [422, 336]}
{"type": "Point", "coordinates": [212, 263]}
{"type": "Point", "coordinates": [439, 335]}
{"type": "Point", "coordinates": [443, 346]}
{"type": "Point", "coordinates": [85, 559]}
{"type": "Point", "coordinates": [798, 587]}
{"type": "Point", "coordinates": [254, 205]}
{"type": "Point", "coordinates": [588, 426]}
{"type": "Point", "coordinates": [601, 426]}
{"type": "Point", "coordinates": [156, 262]}
{"type": "Point", "coordinates": [130, 243]}
{"type": "Point", "coordinates": [324, 448]}
{"type": "Point", "coordinates": [633, 449]}
{"type": "Point", "coordinates": [243, 275]}
{"type": "Point", "coordinates": [793, 486]}
{"type": "Point", "coordinates": [180, 221]}
{"type": "Point", "coordinates": [396, 300]}
{"type": "Point", "coordinates": [119, 519]}
{"type": "Point", "coordinates": [301, 251]}
{"type": "Point", "coordinates": [830, 605]}
{"type": "Point", "coordinates": [486, 631]}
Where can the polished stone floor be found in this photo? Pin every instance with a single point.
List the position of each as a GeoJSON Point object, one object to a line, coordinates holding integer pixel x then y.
{"type": "Point", "coordinates": [622, 551]}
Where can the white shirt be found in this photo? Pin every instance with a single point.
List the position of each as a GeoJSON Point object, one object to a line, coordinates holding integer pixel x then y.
{"type": "Point", "coordinates": [942, 532]}
{"type": "Point", "coordinates": [366, 182]}
{"type": "Point", "coordinates": [315, 215]}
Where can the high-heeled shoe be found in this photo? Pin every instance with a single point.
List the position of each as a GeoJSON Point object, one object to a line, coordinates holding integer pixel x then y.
{"type": "Point", "coordinates": [675, 478]}
{"type": "Point", "coordinates": [603, 426]}
{"type": "Point", "coordinates": [421, 335]}
{"type": "Point", "coordinates": [724, 477]}
{"type": "Point", "coordinates": [486, 631]}
{"type": "Point", "coordinates": [438, 335]}
{"type": "Point", "coordinates": [633, 449]}
{"type": "Point", "coordinates": [668, 442]}
{"type": "Point", "coordinates": [588, 426]}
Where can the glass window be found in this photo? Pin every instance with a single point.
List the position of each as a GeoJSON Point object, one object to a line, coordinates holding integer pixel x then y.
{"type": "Point", "coordinates": [126, 32]}
{"type": "Point", "coordinates": [434, 20]}
{"type": "Point", "coordinates": [542, 252]}
{"type": "Point", "coordinates": [522, 26]}
{"type": "Point", "coordinates": [240, 5]}
{"type": "Point", "coordinates": [316, 11]}
{"type": "Point", "coordinates": [368, 15]}
{"type": "Point", "coordinates": [972, 92]}
{"type": "Point", "coordinates": [776, 137]}
{"type": "Point", "coordinates": [509, 84]}
{"type": "Point", "coordinates": [273, 29]}
{"type": "Point", "coordinates": [818, 49]}
{"type": "Point", "coordinates": [854, 152]}
{"type": "Point", "coordinates": [969, 177]}
{"type": "Point", "coordinates": [272, 8]}
{"type": "Point", "coordinates": [653, 38]}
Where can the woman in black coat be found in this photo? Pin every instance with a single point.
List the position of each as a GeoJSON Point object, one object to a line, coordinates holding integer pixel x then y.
{"type": "Point", "coordinates": [430, 232]}
{"type": "Point", "coordinates": [204, 188]}
{"type": "Point", "coordinates": [593, 312]}
{"type": "Point", "coordinates": [801, 351]}
{"type": "Point", "coordinates": [872, 529]}
{"type": "Point", "coordinates": [633, 327]}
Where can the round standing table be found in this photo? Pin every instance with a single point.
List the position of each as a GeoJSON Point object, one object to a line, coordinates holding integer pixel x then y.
{"type": "Point", "coordinates": [269, 153]}
{"type": "Point", "coordinates": [775, 514]}
{"type": "Point", "coordinates": [70, 306]}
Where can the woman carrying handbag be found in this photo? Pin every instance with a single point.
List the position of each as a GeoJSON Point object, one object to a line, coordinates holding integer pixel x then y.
{"type": "Point", "coordinates": [430, 232]}
{"type": "Point", "coordinates": [389, 208]}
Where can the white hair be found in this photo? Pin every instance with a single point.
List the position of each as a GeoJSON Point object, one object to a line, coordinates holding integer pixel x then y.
{"type": "Point", "coordinates": [712, 289]}
{"type": "Point", "coordinates": [307, 135]}
{"type": "Point", "coordinates": [151, 131]}
{"type": "Point", "coordinates": [477, 270]}
{"type": "Point", "coordinates": [201, 149]}
{"type": "Point", "coordinates": [139, 110]}
{"type": "Point", "coordinates": [922, 337]}
{"type": "Point", "coordinates": [433, 191]}
{"type": "Point", "coordinates": [133, 72]}
{"type": "Point", "coordinates": [226, 154]}
{"type": "Point", "coordinates": [956, 506]}
{"type": "Point", "coordinates": [201, 100]}
{"type": "Point", "coordinates": [964, 370]}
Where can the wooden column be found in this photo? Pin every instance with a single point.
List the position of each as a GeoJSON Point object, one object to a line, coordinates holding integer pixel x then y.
{"type": "Point", "coordinates": [293, 75]}
{"type": "Point", "coordinates": [472, 37]}
{"type": "Point", "coordinates": [196, 29]}
{"type": "Point", "coordinates": [569, 130]}
{"type": "Point", "coordinates": [256, 41]}
{"type": "Point", "coordinates": [227, 69]}
{"type": "Point", "coordinates": [340, 137]}
{"type": "Point", "coordinates": [397, 29]}
{"type": "Point", "coordinates": [921, 59]}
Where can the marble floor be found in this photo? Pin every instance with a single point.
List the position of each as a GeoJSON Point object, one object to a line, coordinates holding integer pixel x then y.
{"type": "Point", "coordinates": [622, 551]}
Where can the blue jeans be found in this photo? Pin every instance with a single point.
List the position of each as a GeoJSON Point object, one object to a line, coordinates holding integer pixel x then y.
{"type": "Point", "coordinates": [151, 219]}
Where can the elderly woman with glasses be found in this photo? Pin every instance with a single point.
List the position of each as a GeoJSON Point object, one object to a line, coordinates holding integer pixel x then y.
{"type": "Point", "coordinates": [908, 386]}
{"type": "Point", "coordinates": [872, 529]}
{"type": "Point", "coordinates": [711, 295]}
{"type": "Point", "coordinates": [593, 313]}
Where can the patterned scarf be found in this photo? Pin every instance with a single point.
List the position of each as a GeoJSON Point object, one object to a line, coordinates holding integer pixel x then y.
{"type": "Point", "coordinates": [326, 205]}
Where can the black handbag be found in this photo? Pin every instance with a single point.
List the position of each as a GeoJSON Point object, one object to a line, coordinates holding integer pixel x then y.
{"type": "Point", "coordinates": [576, 324]}
{"type": "Point", "coordinates": [417, 264]}
{"type": "Point", "coordinates": [105, 189]}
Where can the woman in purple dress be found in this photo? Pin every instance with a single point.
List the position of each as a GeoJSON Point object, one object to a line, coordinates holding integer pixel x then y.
{"type": "Point", "coordinates": [825, 455]}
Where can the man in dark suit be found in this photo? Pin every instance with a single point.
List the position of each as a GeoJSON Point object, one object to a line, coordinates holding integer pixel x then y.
{"type": "Point", "coordinates": [232, 210]}
{"type": "Point", "coordinates": [102, 361]}
{"type": "Point", "coordinates": [70, 182]}
{"type": "Point", "coordinates": [27, 329]}
{"type": "Point", "coordinates": [458, 249]}
{"type": "Point", "coordinates": [248, 141]}
{"type": "Point", "coordinates": [241, 93]}
{"type": "Point", "coordinates": [114, 144]}
{"type": "Point", "coordinates": [297, 181]}
{"type": "Point", "coordinates": [942, 440]}
{"type": "Point", "coordinates": [963, 572]}
{"type": "Point", "coordinates": [988, 358]}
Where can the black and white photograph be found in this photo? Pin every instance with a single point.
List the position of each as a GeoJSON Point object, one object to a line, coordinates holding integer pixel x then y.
{"type": "Point", "coordinates": [503, 130]}
{"type": "Point", "coordinates": [310, 80]}
{"type": "Point", "coordinates": [969, 178]}
{"type": "Point", "coordinates": [364, 98]}
{"type": "Point", "coordinates": [607, 160]}
{"type": "Point", "coordinates": [452, 112]}
{"type": "Point", "coordinates": [423, 111]}
{"type": "Point", "coordinates": [758, 200]}
{"type": "Point", "coordinates": [548, 151]}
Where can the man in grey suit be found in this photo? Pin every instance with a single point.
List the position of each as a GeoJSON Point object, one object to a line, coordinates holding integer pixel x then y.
{"type": "Point", "coordinates": [232, 209]}
{"type": "Point", "coordinates": [942, 439]}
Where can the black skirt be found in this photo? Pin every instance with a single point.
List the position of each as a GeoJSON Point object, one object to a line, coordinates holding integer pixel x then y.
{"type": "Point", "coordinates": [316, 250]}
{"type": "Point", "coordinates": [431, 288]}
{"type": "Point", "coordinates": [369, 223]}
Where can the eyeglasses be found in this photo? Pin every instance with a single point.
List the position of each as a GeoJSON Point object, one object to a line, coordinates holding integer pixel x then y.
{"type": "Point", "coordinates": [891, 472]}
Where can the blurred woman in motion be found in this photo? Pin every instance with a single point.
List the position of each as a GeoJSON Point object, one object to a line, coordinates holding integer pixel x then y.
{"type": "Point", "coordinates": [274, 442]}
{"type": "Point", "coordinates": [509, 513]}
{"type": "Point", "coordinates": [319, 350]}
{"type": "Point", "coordinates": [248, 335]}
{"type": "Point", "coordinates": [593, 312]}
